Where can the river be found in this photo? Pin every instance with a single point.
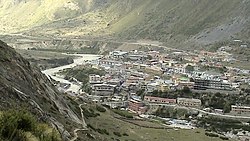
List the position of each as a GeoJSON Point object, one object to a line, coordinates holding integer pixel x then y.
{"type": "Point", "coordinates": [80, 60]}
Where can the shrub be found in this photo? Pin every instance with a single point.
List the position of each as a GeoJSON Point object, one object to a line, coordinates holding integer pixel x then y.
{"type": "Point", "coordinates": [15, 124]}
{"type": "Point", "coordinates": [89, 113]}
{"type": "Point", "coordinates": [102, 131]}
{"type": "Point", "coordinates": [235, 132]}
{"type": "Point", "coordinates": [210, 134]}
{"type": "Point", "coordinates": [117, 134]}
{"type": "Point", "coordinates": [100, 109]}
{"type": "Point", "coordinates": [91, 127]}
{"type": "Point", "coordinates": [107, 106]}
{"type": "Point", "coordinates": [123, 113]}
{"type": "Point", "coordinates": [125, 134]}
{"type": "Point", "coordinates": [12, 123]}
{"type": "Point", "coordinates": [224, 138]}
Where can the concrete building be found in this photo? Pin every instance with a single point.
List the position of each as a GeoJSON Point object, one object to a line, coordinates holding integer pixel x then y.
{"type": "Point", "coordinates": [137, 106]}
{"type": "Point", "coordinates": [118, 54]}
{"type": "Point", "coordinates": [103, 89]}
{"type": "Point", "coordinates": [201, 84]}
{"type": "Point", "coordinates": [240, 109]}
{"type": "Point", "coordinates": [152, 87]}
{"type": "Point", "coordinates": [152, 99]}
{"type": "Point", "coordinates": [189, 102]}
{"type": "Point", "coordinates": [95, 79]}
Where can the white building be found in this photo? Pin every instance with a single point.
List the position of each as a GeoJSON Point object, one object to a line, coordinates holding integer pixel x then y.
{"type": "Point", "coordinates": [95, 79]}
{"type": "Point", "coordinates": [189, 102]}
{"type": "Point", "coordinates": [118, 54]}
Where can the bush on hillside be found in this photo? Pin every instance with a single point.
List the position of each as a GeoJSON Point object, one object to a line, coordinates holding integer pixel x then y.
{"type": "Point", "coordinates": [15, 124]}
{"type": "Point", "coordinates": [210, 134]}
{"type": "Point", "coordinates": [117, 134]}
{"type": "Point", "coordinates": [123, 113]}
{"type": "Point", "coordinates": [100, 108]}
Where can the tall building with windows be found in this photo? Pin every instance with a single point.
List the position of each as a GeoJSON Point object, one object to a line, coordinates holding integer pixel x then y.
{"type": "Point", "coordinates": [201, 84]}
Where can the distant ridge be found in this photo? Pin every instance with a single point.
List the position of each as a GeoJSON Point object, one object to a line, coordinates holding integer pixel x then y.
{"type": "Point", "coordinates": [171, 21]}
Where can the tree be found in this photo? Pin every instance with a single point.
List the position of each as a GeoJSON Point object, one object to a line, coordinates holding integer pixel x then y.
{"type": "Point", "coordinates": [186, 90]}
{"type": "Point", "coordinates": [140, 92]}
{"type": "Point", "coordinates": [189, 68]}
{"type": "Point", "coordinates": [149, 57]}
{"type": "Point", "coordinates": [227, 108]}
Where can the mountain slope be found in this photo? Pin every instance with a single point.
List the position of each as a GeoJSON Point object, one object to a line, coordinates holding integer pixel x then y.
{"type": "Point", "coordinates": [23, 86]}
{"type": "Point", "coordinates": [25, 14]}
{"type": "Point", "coordinates": [171, 21]}
{"type": "Point", "coordinates": [167, 19]}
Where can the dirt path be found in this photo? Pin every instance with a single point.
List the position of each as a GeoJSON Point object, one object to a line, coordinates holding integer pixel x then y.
{"type": "Point", "coordinates": [84, 125]}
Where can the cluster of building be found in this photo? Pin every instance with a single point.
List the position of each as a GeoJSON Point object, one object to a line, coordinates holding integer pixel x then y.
{"type": "Point", "coordinates": [140, 106]}
{"type": "Point", "coordinates": [129, 72]}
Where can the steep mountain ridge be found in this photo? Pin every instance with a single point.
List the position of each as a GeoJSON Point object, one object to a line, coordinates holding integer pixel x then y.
{"type": "Point", "coordinates": [171, 21]}
{"type": "Point", "coordinates": [23, 86]}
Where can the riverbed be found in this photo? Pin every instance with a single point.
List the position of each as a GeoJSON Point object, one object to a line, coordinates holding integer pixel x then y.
{"type": "Point", "coordinates": [80, 60]}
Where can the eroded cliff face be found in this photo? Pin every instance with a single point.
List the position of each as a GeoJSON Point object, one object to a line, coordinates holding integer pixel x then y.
{"type": "Point", "coordinates": [22, 86]}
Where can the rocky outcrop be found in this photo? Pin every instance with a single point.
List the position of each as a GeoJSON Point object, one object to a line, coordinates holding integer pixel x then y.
{"type": "Point", "coordinates": [22, 86]}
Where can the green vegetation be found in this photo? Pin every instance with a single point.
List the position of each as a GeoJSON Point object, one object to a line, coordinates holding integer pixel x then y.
{"type": "Point", "coordinates": [36, 54]}
{"type": "Point", "coordinates": [100, 108]}
{"type": "Point", "coordinates": [125, 114]}
{"type": "Point", "coordinates": [83, 50]}
{"type": "Point", "coordinates": [117, 134]}
{"type": "Point", "coordinates": [140, 130]}
{"type": "Point", "coordinates": [189, 68]}
{"type": "Point", "coordinates": [171, 112]}
{"type": "Point", "coordinates": [15, 125]}
{"type": "Point", "coordinates": [210, 134]}
{"type": "Point", "coordinates": [185, 92]}
{"type": "Point", "coordinates": [222, 125]}
{"type": "Point", "coordinates": [82, 74]}
{"type": "Point", "coordinates": [101, 131]}
{"type": "Point", "coordinates": [214, 69]}
{"type": "Point", "coordinates": [213, 100]}
{"type": "Point", "coordinates": [89, 113]}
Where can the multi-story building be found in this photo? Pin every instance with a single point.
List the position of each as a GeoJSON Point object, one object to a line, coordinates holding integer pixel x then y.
{"type": "Point", "coordinates": [189, 102]}
{"type": "Point", "coordinates": [137, 106]}
{"type": "Point", "coordinates": [186, 84]}
{"type": "Point", "coordinates": [103, 89]}
{"type": "Point", "coordinates": [95, 79]}
{"type": "Point", "coordinates": [109, 63]}
{"type": "Point", "coordinates": [152, 99]}
{"type": "Point", "coordinates": [201, 84]}
{"type": "Point", "coordinates": [240, 109]}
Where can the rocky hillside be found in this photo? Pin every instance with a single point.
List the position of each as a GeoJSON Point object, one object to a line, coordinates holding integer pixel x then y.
{"type": "Point", "coordinates": [171, 21]}
{"type": "Point", "coordinates": [24, 87]}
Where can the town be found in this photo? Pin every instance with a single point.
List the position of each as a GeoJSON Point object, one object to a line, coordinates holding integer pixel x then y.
{"type": "Point", "coordinates": [176, 87]}
{"type": "Point", "coordinates": [136, 79]}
